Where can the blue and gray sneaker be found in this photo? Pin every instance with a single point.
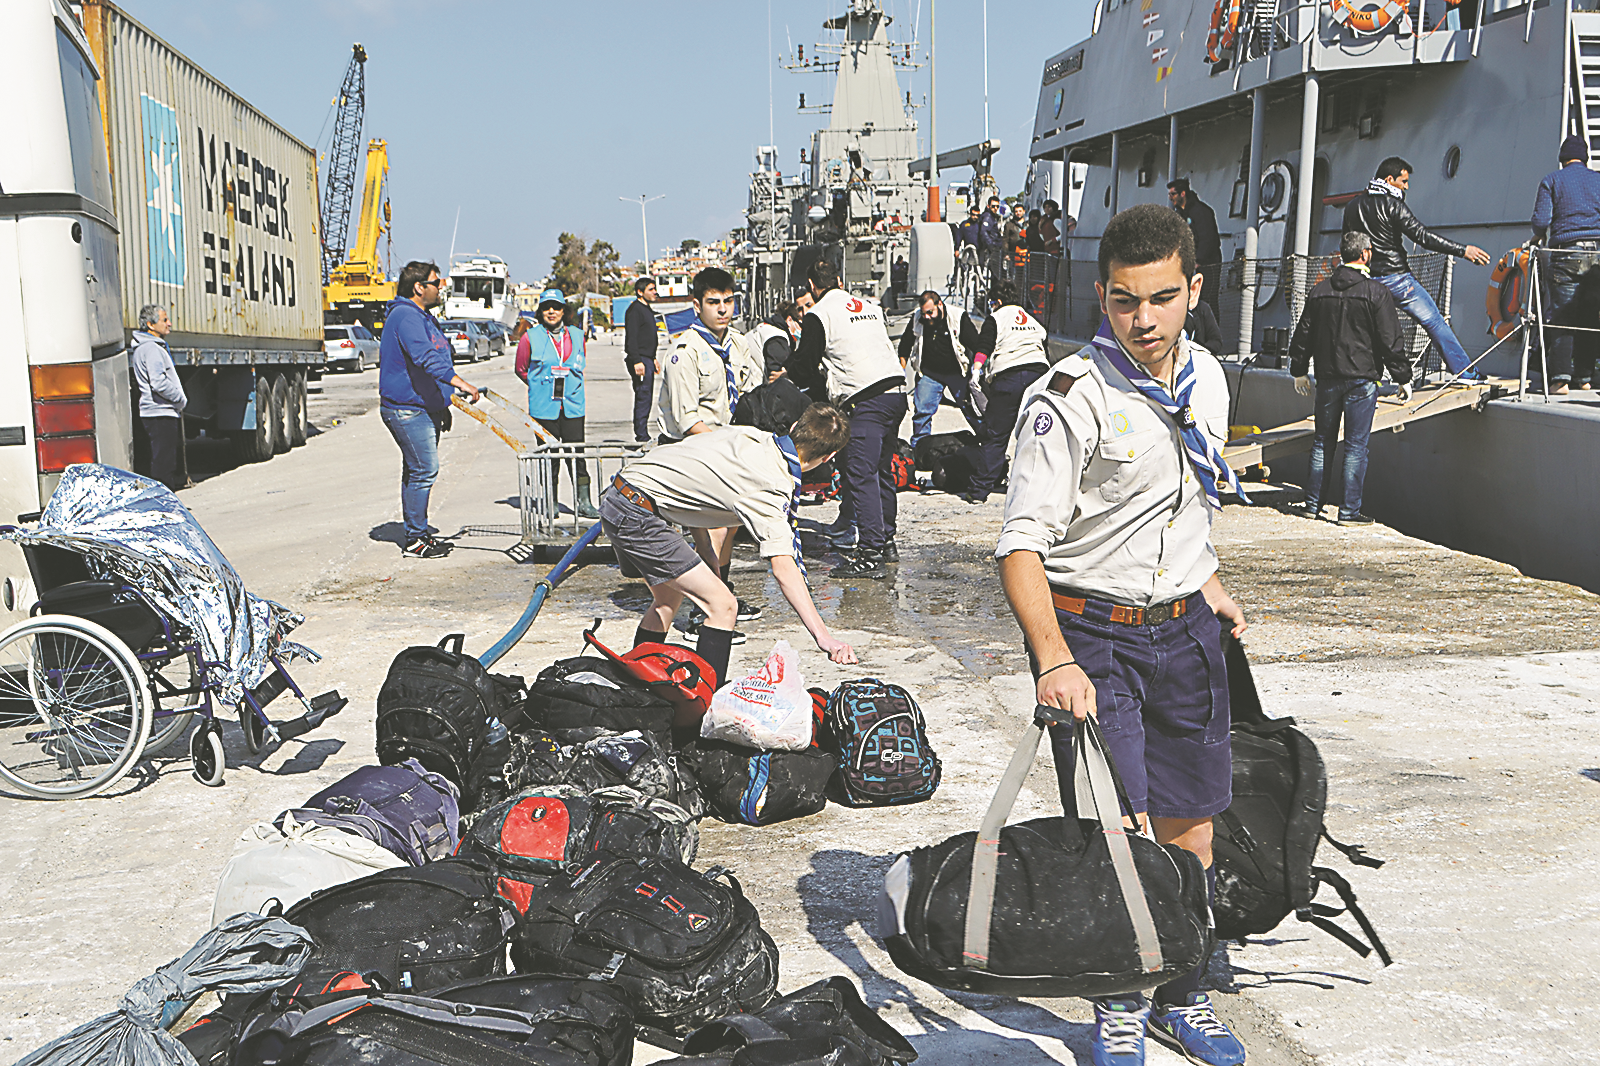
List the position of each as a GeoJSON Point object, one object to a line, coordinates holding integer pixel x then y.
{"type": "Point", "coordinates": [1194, 1031]}
{"type": "Point", "coordinates": [1119, 1032]}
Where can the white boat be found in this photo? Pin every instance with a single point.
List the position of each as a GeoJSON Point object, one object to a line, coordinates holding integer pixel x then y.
{"type": "Point", "coordinates": [480, 289]}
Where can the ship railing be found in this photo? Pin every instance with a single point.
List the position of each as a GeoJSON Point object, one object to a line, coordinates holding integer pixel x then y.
{"type": "Point", "coordinates": [1278, 285]}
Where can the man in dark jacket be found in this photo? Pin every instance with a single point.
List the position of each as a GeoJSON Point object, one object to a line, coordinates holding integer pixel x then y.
{"type": "Point", "coordinates": [1351, 330]}
{"type": "Point", "coordinates": [1381, 213]}
{"type": "Point", "coordinates": [991, 238]}
{"type": "Point", "coordinates": [639, 352]}
{"type": "Point", "coordinates": [1207, 241]}
{"type": "Point", "coordinates": [1566, 216]}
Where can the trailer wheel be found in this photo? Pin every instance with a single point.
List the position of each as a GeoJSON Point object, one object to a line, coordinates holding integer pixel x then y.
{"type": "Point", "coordinates": [283, 412]}
{"type": "Point", "coordinates": [299, 414]}
{"type": "Point", "coordinates": [258, 445]}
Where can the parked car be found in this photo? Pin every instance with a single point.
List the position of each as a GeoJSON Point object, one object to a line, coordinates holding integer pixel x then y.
{"type": "Point", "coordinates": [469, 342]}
{"type": "Point", "coordinates": [350, 347]}
{"type": "Point", "coordinates": [498, 332]}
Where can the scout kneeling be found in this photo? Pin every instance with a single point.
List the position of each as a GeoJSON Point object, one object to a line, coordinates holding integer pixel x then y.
{"type": "Point", "coordinates": [1107, 561]}
{"type": "Point", "coordinates": [727, 477]}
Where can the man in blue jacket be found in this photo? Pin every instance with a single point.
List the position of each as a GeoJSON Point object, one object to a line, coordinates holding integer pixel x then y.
{"type": "Point", "coordinates": [416, 378]}
{"type": "Point", "coordinates": [1566, 217]}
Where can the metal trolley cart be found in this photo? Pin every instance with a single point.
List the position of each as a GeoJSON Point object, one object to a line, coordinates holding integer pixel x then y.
{"type": "Point", "coordinates": [141, 625]}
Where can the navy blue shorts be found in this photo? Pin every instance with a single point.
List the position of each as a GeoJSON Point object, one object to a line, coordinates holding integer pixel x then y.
{"type": "Point", "coordinates": [1161, 693]}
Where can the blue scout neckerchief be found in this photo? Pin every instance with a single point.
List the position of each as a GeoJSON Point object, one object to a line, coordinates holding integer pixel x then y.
{"type": "Point", "coordinates": [793, 456]}
{"type": "Point", "coordinates": [727, 362]}
{"type": "Point", "coordinates": [1204, 456]}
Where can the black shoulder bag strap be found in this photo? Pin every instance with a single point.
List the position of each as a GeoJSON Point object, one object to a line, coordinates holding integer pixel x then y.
{"type": "Point", "coordinates": [1097, 788]}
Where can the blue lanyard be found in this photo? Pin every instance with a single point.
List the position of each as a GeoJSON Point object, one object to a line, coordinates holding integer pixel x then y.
{"type": "Point", "coordinates": [793, 456]}
{"type": "Point", "coordinates": [727, 364]}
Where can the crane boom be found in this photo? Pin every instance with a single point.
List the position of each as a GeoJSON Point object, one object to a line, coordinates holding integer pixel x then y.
{"type": "Point", "coordinates": [342, 157]}
{"type": "Point", "coordinates": [370, 224]}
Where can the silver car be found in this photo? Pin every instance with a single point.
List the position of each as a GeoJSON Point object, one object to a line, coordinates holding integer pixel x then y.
{"type": "Point", "coordinates": [469, 342]}
{"type": "Point", "coordinates": [350, 347]}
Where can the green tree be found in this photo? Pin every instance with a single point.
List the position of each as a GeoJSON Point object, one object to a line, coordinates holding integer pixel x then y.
{"type": "Point", "coordinates": [688, 246]}
{"type": "Point", "coordinates": [580, 265]}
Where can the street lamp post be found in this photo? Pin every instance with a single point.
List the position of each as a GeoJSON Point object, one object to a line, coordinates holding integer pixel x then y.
{"type": "Point", "coordinates": [643, 227]}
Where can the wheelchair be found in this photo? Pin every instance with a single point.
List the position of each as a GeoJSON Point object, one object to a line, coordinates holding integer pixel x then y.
{"type": "Point", "coordinates": [98, 677]}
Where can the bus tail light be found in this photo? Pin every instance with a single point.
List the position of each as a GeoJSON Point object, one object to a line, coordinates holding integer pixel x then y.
{"type": "Point", "coordinates": [63, 415]}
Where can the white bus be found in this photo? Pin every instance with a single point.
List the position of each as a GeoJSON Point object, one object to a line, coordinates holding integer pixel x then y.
{"type": "Point", "coordinates": [64, 394]}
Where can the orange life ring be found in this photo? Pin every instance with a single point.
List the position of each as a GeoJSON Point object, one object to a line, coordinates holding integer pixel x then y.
{"type": "Point", "coordinates": [1366, 19]}
{"type": "Point", "coordinates": [1224, 28]}
{"type": "Point", "coordinates": [1506, 292]}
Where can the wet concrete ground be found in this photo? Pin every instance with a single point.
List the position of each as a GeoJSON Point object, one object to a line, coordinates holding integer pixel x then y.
{"type": "Point", "coordinates": [1453, 700]}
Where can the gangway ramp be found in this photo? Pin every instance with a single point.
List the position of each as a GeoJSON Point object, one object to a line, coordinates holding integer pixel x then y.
{"type": "Point", "coordinates": [1295, 437]}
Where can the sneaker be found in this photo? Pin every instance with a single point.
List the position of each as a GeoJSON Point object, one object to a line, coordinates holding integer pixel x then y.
{"type": "Point", "coordinates": [1472, 377]}
{"type": "Point", "coordinates": [1305, 510]}
{"type": "Point", "coordinates": [690, 628]}
{"type": "Point", "coordinates": [426, 547]}
{"type": "Point", "coordinates": [891, 553]}
{"type": "Point", "coordinates": [1559, 390]}
{"type": "Point", "coordinates": [1355, 520]}
{"type": "Point", "coordinates": [1194, 1032]}
{"type": "Point", "coordinates": [862, 564]}
{"type": "Point", "coordinates": [844, 539]}
{"type": "Point", "coordinates": [975, 497]}
{"type": "Point", "coordinates": [748, 612]}
{"type": "Point", "coordinates": [1118, 1038]}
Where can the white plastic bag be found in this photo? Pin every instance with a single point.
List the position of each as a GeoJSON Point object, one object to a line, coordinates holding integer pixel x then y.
{"type": "Point", "coordinates": [769, 709]}
{"type": "Point", "coordinates": [289, 865]}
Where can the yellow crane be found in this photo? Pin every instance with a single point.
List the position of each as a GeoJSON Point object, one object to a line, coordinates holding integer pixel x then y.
{"type": "Point", "coordinates": [357, 290]}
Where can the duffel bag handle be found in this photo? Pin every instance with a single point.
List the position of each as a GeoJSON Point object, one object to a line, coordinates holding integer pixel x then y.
{"type": "Point", "coordinates": [1096, 787]}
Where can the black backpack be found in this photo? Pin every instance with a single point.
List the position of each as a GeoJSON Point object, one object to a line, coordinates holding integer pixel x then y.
{"type": "Point", "coordinates": [685, 946]}
{"type": "Point", "coordinates": [885, 757]}
{"type": "Point", "coordinates": [825, 1022]}
{"type": "Point", "coordinates": [936, 446]}
{"type": "Point", "coordinates": [751, 787]}
{"type": "Point", "coordinates": [1265, 843]}
{"type": "Point", "coordinates": [435, 707]}
{"type": "Point", "coordinates": [579, 710]}
{"type": "Point", "coordinates": [773, 408]}
{"type": "Point", "coordinates": [538, 832]}
{"type": "Point", "coordinates": [417, 927]}
{"type": "Point", "coordinates": [508, 1021]}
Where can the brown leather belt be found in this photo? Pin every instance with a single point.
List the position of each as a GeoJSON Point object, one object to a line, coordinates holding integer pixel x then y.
{"type": "Point", "coordinates": [634, 496]}
{"type": "Point", "coordinates": [1153, 615]}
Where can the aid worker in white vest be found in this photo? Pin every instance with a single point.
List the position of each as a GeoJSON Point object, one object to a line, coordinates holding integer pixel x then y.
{"type": "Point", "coordinates": [846, 336]}
{"type": "Point", "coordinates": [1008, 356]}
{"type": "Point", "coordinates": [709, 367]}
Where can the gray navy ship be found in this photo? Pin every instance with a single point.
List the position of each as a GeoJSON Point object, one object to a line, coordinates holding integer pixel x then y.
{"type": "Point", "coordinates": [1476, 95]}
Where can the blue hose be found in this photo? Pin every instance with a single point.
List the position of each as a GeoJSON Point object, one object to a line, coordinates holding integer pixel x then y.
{"type": "Point", "coordinates": [536, 601]}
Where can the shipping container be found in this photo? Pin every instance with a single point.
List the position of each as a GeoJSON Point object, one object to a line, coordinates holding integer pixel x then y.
{"type": "Point", "coordinates": [218, 211]}
{"type": "Point", "coordinates": [217, 204]}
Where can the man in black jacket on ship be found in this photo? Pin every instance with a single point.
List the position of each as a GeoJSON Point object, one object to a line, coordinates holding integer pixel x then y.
{"type": "Point", "coordinates": [1381, 213]}
{"type": "Point", "coordinates": [1207, 241]}
{"type": "Point", "coordinates": [1351, 330]}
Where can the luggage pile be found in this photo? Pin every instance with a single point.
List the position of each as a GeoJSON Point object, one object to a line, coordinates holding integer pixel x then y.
{"type": "Point", "coordinates": [515, 882]}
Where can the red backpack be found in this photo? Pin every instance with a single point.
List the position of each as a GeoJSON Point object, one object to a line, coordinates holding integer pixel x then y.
{"type": "Point", "coordinates": [681, 676]}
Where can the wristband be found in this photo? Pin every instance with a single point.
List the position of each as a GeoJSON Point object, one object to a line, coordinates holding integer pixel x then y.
{"type": "Point", "coordinates": [1057, 666]}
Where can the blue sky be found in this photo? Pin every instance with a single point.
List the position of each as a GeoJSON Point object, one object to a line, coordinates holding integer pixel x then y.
{"type": "Point", "coordinates": [532, 118]}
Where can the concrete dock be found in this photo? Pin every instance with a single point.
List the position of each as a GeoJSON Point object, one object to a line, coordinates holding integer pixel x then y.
{"type": "Point", "coordinates": [1453, 698]}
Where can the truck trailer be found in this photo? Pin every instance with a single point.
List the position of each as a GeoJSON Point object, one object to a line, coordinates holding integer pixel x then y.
{"type": "Point", "coordinates": [135, 178]}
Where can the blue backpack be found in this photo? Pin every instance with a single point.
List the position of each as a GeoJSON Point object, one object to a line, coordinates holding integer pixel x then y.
{"type": "Point", "coordinates": [408, 809]}
{"type": "Point", "coordinates": [882, 741]}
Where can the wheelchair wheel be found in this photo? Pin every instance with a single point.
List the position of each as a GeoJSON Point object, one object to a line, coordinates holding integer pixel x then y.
{"type": "Point", "coordinates": [76, 707]}
{"type": "Point", "coordinates": [255, 730]}
{"type": "Point", "coordinates": [205, 748]}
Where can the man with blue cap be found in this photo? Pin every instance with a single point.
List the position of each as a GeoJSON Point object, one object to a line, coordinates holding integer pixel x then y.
{"type": "Point", "coordinates": [550, 358]}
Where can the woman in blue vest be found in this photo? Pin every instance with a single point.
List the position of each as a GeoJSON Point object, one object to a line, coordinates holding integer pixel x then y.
{"type": "Point", "coordinates": [555, 361]}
